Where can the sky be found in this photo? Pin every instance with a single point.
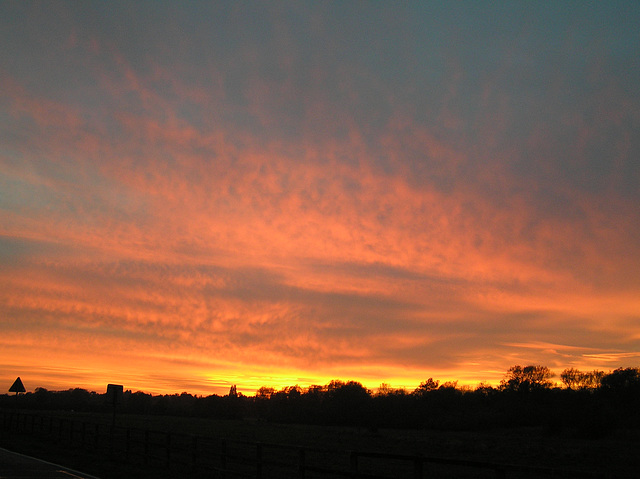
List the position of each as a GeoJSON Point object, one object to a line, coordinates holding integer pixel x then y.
{"type": "Point", "coordinates": [196, 195]}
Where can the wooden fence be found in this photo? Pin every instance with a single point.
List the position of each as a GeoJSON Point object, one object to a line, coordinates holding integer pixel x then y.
{"type": "Point", "coordinates": [199, 456]}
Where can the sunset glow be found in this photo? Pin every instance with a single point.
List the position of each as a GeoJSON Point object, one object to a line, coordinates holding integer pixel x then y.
{"type": "Point", "coordinates": [200, 195]}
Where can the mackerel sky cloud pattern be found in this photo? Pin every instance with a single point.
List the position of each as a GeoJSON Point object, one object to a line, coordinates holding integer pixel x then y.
{"type": "Point", "coordinates": [199, 195]}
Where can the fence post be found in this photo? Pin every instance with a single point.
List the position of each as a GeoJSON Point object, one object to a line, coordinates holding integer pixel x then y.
{"type": "Point", "coordinates": [258, 461]}
{"type": "Point", "coordinates": [168, 446]}
{"type": "Point", "coordinates": [146, 447]}
{"type": "Point", "coordinates": [354, 464]}
{"type": "Point", "coordinates": [194, 453]}
{"type": "Point", "coordinates": [301, 462]}
{"type": "Point", "coordinates": [223, 457]}
{"type": "Point", "coordinates": [418, 468]}
{"type": "Point", "coordinates": [127, 443]}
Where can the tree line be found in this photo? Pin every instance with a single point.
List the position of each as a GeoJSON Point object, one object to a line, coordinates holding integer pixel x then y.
{"type": "Point", "coordinates": [590, 404]}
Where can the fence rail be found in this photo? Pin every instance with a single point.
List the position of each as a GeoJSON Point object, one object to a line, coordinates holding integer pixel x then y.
{"type": "Point", "coordinates": [218, 457]}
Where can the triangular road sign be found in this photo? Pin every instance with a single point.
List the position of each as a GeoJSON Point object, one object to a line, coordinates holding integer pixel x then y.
{"type": "Point", "coordinates": [17, 387]}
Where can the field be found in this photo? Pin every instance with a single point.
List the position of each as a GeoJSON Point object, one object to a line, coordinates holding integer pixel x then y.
{"type": "Point", "coordinates": [613, 456]}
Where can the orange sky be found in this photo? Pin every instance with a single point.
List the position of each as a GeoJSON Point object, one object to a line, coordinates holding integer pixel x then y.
{"type": "Point", "coordinates": [194, 197]}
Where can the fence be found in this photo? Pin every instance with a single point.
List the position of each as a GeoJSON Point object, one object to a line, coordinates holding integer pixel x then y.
{"type": "Point", "coordinates": [196, 456]}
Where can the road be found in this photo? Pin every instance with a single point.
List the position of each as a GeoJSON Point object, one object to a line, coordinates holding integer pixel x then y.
{"type": "Point", "coordinates": [18, 466]}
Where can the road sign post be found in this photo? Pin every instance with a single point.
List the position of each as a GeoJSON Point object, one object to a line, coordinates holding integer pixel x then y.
{"type": "Point", "coordinates": [17, 387]}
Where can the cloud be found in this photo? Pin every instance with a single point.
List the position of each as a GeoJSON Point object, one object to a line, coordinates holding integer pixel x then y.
{"type": "Point", "coordinates": [313, 192]}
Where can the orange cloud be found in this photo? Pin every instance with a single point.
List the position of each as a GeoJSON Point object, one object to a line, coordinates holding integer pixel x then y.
{"type": "Point", "coordinates": [307, 218]}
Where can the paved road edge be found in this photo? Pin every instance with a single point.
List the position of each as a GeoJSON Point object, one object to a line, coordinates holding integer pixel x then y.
{"type": "Point", "coordinates": [82, 475]}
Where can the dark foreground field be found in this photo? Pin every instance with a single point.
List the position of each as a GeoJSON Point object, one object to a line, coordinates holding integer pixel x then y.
{"type": "Point", "coordinates": [612, 456]}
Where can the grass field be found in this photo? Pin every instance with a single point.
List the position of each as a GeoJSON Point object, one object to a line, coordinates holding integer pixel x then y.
{"type": "Point", "coordinates": [615, 456]}
{"type": "Point", "coordinates": [531, 447]}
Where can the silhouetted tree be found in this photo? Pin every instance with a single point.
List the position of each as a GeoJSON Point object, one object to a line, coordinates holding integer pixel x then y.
{"type": "Point", "coordinates": [137, 402]}
{"type": "Point", "coordinates": [575, 379]}
{"type": "Point", "coordinates": [593, 403]}
{"type": "Point", "coordinates": [346, 403]}
{"type": "Point", "coordinates": [384, 389]}
{"type": "Point", "coordinates": [452, 385]}
{"type": "Point", "coordinates": [263, 403]}
{"type": "Point", "coordinates": [293, 392]}
{"type": "Point", "coordinates": [425, 387]}
{"type": "Point", "coordinates": [571, 378]}
{"type": "Point", "coordinates": [43, 398]}
{"type": "Point", "coordinates": [527, 379]}
{"type": "Point", "coordinates": [622, 387]}
{"type": "Point", "coordinates": [485, 389]}
{"type": "Point", "coordinates": [622, 379]}
{"type": "Point", "coordinates": [265, 393]}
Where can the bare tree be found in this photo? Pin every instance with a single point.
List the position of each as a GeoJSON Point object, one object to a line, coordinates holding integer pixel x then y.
{"type": "Point", "coordinates": [575, 379]}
